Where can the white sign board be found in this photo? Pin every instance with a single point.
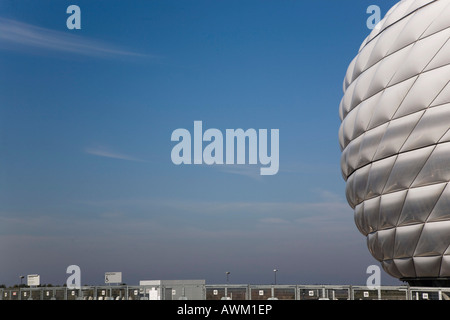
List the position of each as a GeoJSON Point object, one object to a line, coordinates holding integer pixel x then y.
{"type": "Point", "coordinates": [366, 294]}
{"type": "Point", "coordinates": [153, 294]}
{"type": "Point", "coordinates": [113, 277]}
{"type": "Point", "coordinates": [33, 280]}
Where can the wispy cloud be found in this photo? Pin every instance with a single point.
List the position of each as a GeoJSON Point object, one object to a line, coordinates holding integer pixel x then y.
{"type": "Point", "coordinates": [103, 152]}
{"type": "Point", "coordinates": [250, 171]}
{"type": "Point", "coordinates": [274, 221]}
{"type": "Point", "coordinates": [21, 36]}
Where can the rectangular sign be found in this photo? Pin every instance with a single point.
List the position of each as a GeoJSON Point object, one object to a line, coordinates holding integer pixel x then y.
{"type": "Point", "coordinates": [33, 280]}
{"type": "Point", "coordinates": [153, 294]}
{"type": "Point", "coordinates": [113, 277]}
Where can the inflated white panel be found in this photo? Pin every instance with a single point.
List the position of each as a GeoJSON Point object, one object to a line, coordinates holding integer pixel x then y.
{"type": "Point", "coordinates": [349, 191]}
{"type": "Point", "coordinates": [431, 127]}
{"type": "Point", "coordinates": [390, 267]}
{"type": "Point", "coordinates": [440, 57]}
{"type": "Point", "coordinates": [445, 266]}
{"type": "Point", "coordinates": [406, 267]}
{"type": "Point", "coordinates": [394, 16]}
{"type": "Point", "coordinates": [390, 208]}
{"type": "Point", "coordinates": [348, 78]}
{"type": "Point", "coordinates": [374, 245]}
{"type": "Point", "coordinates": [419, 55]}
{"type": "Point", "coordinates": [347, 100]}
{"type": "Point", "coordinates": [396, 135]}
{"type": "Point", "coordinates": [424, 91]}
{"type": "Point", "coordinates": [435, 169]}
{"type": "Point", "coordinates": [378, 176]}
{"type": "Point", "coordinates": [419, 203]}
{"type": "Point", "coordinates": [434, 239]}
{"type": "Point", "coordinates": [406, 168]}
{"type": "Point", "coordinates": [372, 213]}
{"type": "Point", "coordinates": [360, 183]}
{"type": "Point", "coordinates": [446, 137]}
{"type": "Point", "coordinates": [385, 70]}
{"type": "Point", "coordinates": [441, 210]}
{"type": "Point", "coordinates": [353, 152]}
{"type": "Point", "coordinates": [443, 97]}
{"type": "Point", "coordinates": [425, 266]}
{"type": "Point", "coordinates": [363, 58]}
{"type": "Point", "coordinates": [362, 87]}
{"type": "Point", "coordinates": [365, 112]}
{"type": "Point", "coordinates": [383, 44]}
{"type": "Point", "coordinates": [386, 239]}
{"type": "Point", "coordinates": [406, 239]}
{"type": "Point", "coordinates": [370, 142]}
{"type": "Point", "coordinates": [390, 101]}
{"type": "Point", "coordinates": [359, 219]}
{"type": "Point", "coordinates": [441, 21]}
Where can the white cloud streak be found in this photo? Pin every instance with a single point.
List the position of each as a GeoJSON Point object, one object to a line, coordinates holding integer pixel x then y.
{"type": "Point", "coordinates": [101, 152]}
{"type": "Point", "coordinates": [250, 171]}
{"type": "Point", "coordinates": [21, 36]}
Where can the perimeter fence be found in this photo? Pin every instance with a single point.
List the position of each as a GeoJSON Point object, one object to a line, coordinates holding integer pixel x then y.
{"type": "Point", "coordinates": [226, 292]}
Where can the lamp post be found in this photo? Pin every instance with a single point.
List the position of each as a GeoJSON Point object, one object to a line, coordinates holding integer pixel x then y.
{"type": "Point", "coordinates": [275, 273]}
{"type": "Point", "coordinates": [21, 278]}
{"type": "Point", "coordinates": [227, 273]}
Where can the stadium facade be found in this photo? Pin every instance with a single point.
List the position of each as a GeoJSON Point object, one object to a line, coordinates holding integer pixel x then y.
{"type": "Point", "coordinates": [395, 141]}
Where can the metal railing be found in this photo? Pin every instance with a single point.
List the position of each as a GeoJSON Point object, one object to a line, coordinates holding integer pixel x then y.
{"type": "Point", "coordinates": [226, 292]}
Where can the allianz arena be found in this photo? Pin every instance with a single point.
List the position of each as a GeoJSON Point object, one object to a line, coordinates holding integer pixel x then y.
{"type": "Point", "coordinates": [395, 141]}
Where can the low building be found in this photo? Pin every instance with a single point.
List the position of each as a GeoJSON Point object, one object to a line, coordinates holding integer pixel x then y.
{"type": "Point", "coordinates": [173, 289]}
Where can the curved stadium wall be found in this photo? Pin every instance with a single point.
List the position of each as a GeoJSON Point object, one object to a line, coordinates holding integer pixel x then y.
{"type": "Point", "coordinates": [395, 141]}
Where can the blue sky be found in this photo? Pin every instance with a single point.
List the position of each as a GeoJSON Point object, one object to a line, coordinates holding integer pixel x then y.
{"type": "Point", "coordinates": [86, 118]}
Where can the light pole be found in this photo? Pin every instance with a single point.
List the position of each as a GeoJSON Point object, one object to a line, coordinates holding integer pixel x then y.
{"type": "Point", "coordinates": [275, 273]}
{"type": "Point", "coordinates": [227, 273]}
{"type": "Point", "coordinates": [21, 278]}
